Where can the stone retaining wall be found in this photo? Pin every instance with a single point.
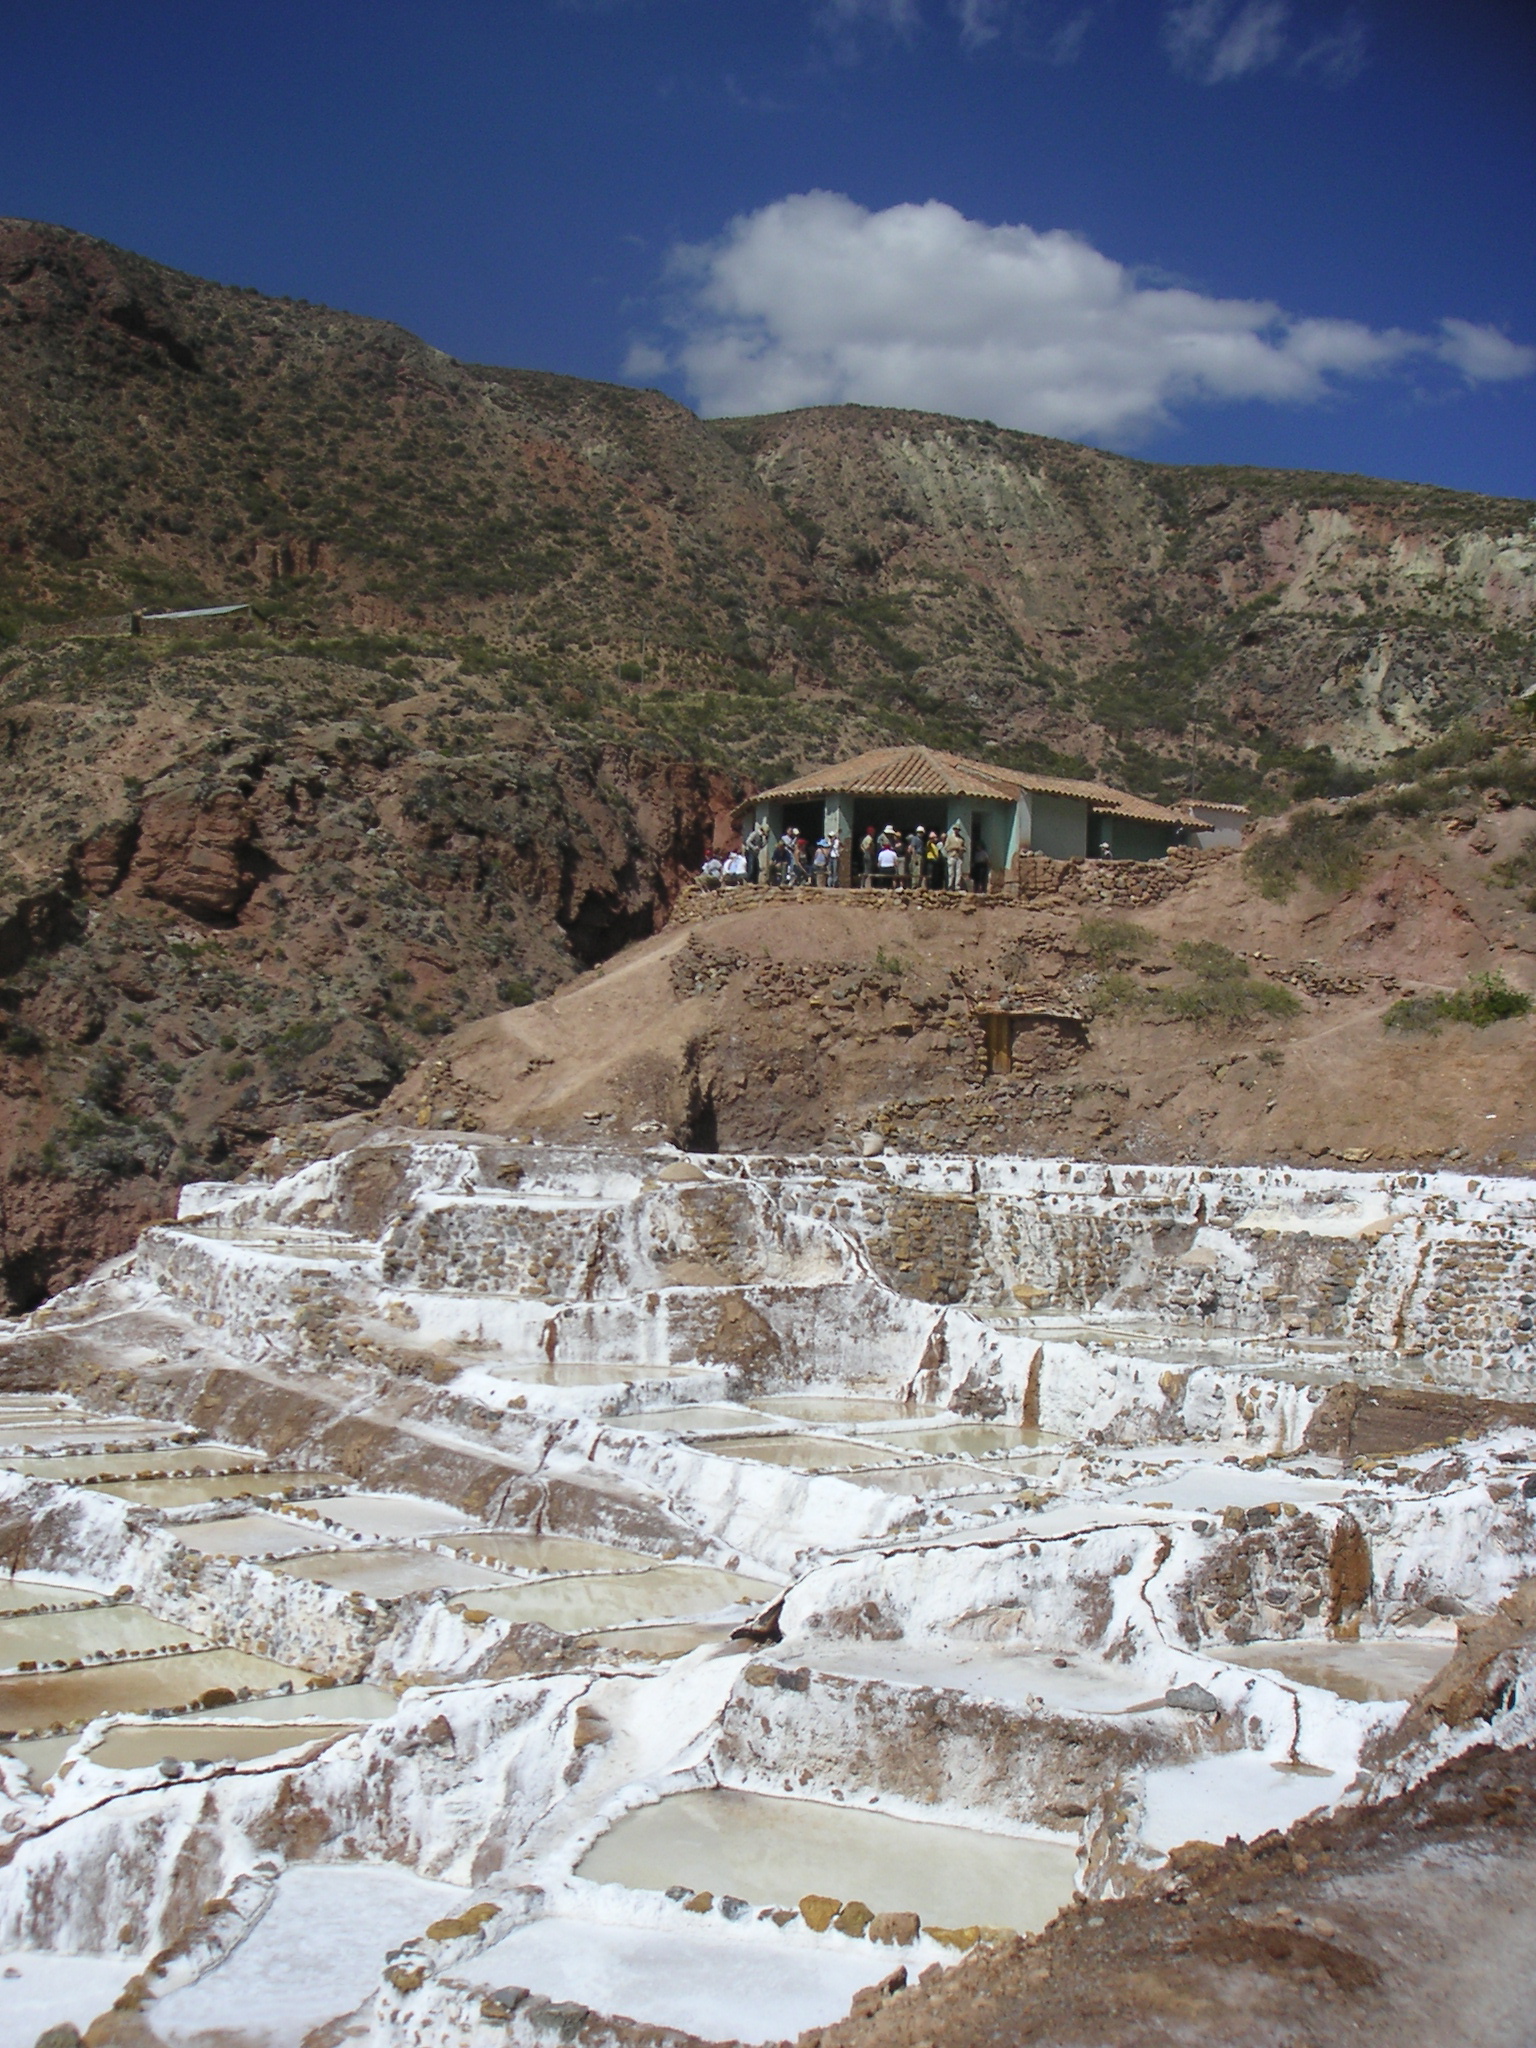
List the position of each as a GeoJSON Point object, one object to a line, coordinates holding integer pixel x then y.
{"type": "Point", "coordinates": [1127, 884]}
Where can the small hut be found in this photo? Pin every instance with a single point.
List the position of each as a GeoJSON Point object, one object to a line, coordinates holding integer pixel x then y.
{"type": "Point", "coordinates": [1003, 811]}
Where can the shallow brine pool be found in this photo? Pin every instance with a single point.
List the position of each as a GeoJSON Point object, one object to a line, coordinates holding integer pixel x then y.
{"type": "Point", "coordinates": [967, 1439]}
{"type": "Point", "coordinates": [88, 1632]}
{"type": "Point", "coordinates": [1384, 1669]}
{"type": "Point", "coordinates": [188, 1493]}
{"type": "Point", "coordinates": [391, 1514]}
{"type": "Point", "coordinates": [773, 1851]}
{"type": "Point", "coordinates": [802, 1453]}
{"type": "Point", "coordinates": [18, 1595]}
{"type": "Point", "coordinates": [70, 1467]}
{"type": "Point", "coordinates": [206, 1741]}
{"type": "Point", "coordinates": [545, 1554]}
{"type": "Point", "coordinates": [255, 1535]}
{"type": "Point", "coordinates": [718, 1983]}
{"type": "Point", "coordinates": [390, 1574]}
{"type": "Point", "coordinates": [34, 1703]}
{"type": "Point", "coordinates": [844, 1408]}
{"type": "Point", "coordinates": [578, 1606]}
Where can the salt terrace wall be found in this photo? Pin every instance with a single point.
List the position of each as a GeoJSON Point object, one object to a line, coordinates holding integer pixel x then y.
{"type": "Point", "coordinates": [949, 1277]}
{"type": "Point", "coordinates": [1438, 1267]}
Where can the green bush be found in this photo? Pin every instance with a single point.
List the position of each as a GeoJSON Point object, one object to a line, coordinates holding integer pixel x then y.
{"type": "Point", "coordinates": [1209, 960]}
{"type": "Point", "coordinates": [1483, 1000]}
{"type": "Point", "coordinates": [1227, 999]}
{"type": "Point", "coordinates": [1326, 848]}
{"type": "Point", "coordinates": [516, 993]}
{"type": "Point", "coordinates": [1108, 941]}
{"type": "Point", "coordinates": [1117, 990]}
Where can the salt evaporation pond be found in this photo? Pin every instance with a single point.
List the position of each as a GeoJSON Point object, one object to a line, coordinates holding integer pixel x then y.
{"type": "Point", "coordinates": [966, 1439]}
{"type": "Point", "coordinates": [38, 1701]}
{"type": "Point", "coordinates": [43, 1990]}
{"type": "Point", "coordinates": [139, 1749]}
{"type": "Point", "coordinates": [17, 1596]}
{"type": "Point", "coordinates": [843, 1408]}
{"type": "Point", "coordinates": [692, 1421]}
{"type": "Point", "coordinates": [391, 1514]}
{"type": "Point", "coordinates": [89, 1632]}
{"type": "Point", "coordinates": [923, 1479]}
{"type": "Point", "coordinates": [576, 1372]}
{"type": "Point", "coordinates": [545, 1554]}
{"type": "Point", "coordinates": [188, 1493]}
{"type": "Point", "coordinates": [715, 1982]}
{"type": "Point", "coordinates": [659, 1642]}
{"type": "Point", "coordinates": [257, 1535]}
{"type": "Point", "coordinates": [314, 1955]}
{"type": "Point", "coordinates": [1240, 1794]}
{"type": "Point", "coordinates": [580, 1605]}
{"type": "Point", "coordinates": [773, 1851]}
{"type": "Point", "coordinates": [117, 1432]}
{"type": "Point", "coordinates": [313, 1701]}
{"type": "Point", "coordinates": [1197, 1485]}
{"type": "Point", "coordinates": [1381, 1668]}
{"type": "Point", "coordinates": [391, 1574]}
{"type": "Point", "coordinates": [802, 1453]}
{"type": "Point", "coordinates": [71, 1467]}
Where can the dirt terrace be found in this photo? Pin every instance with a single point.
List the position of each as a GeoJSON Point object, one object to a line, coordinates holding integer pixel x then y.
{"type": "Point", "coordinates": [810, 1022]}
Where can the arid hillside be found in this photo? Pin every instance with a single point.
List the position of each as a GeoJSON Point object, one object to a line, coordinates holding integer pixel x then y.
{"type": "Point", "coordinates": [517, 645]}
{"type": "Point", "coordinates": [757, 590]}
{"type": "Point", "coordinates": [1216, 1023]}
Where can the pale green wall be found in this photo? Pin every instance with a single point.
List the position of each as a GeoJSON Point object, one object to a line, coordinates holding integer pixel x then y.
{"type": "Point", "coordinates": [1058, 825]}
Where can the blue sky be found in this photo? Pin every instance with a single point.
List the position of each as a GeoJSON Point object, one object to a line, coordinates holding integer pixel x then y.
{"type": "Point", "coordinates": [1279, 231]}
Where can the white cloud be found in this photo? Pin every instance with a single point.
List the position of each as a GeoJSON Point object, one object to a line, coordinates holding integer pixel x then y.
{"type": "Point", "coordinates": [900, 15]}
{"type": "Point", "coordinates": [1206, 39]}
{"type": "Point", "coordinates": [816, 300]}
{"type": "Point", "coordinates": [1484, 355]}
{"type": "Point", "coordinates": [1046, 29]}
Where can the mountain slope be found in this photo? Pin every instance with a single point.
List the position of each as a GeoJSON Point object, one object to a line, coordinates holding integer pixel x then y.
{"type": "Point", "coordinates": [519, 643]}
{"type": "Point", "coordinates": [776, 585]}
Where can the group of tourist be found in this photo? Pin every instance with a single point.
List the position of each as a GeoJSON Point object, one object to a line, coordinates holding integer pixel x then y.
{"type": "Point", "coordinates": [888, 859]}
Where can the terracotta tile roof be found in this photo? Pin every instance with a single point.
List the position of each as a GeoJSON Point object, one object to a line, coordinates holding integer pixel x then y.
{"type": "Point", "coordinates": [900, 771]}
{"type": "Point", "coordinates": [925, 771]}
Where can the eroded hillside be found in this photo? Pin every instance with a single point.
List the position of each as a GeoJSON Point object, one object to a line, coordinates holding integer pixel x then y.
{"type": "Point", "coordinates": [751, 590]}
{"type": "Point", "coordinates": [518, 643]}
{"type": "Point", "coordinates": [1210, 1022]}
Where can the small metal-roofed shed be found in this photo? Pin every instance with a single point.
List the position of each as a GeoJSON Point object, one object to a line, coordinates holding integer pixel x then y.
{"type": "Point", "coordinates": [1003, 811]}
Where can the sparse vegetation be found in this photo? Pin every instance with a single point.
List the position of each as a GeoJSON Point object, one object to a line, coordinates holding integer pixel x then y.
{"type": "Point", "coordinates": [1111, 941]}
{"type": "Point", "coordinates": [1482, 1000]}
{"type": "Point", "coordinates": [1330, 849]}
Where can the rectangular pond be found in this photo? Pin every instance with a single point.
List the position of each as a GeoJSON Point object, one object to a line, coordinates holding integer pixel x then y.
{"type": "Point", "coordinates": [717, 1983]}
{"type": "Point", "coordinates": [35, 1703]}
{"type": "Point", "coordinates": [1385, 1668]}
{"type": "Point", "coordinates": [578, 1606]}
{"type": "Point", "coordinates": [840, 1408]}
{"type": "Point", "coordinates": [208, 1740]}
{"type": "Point", "coordinates": [189, 1493]}
{"type": "Point", "coordinates": [389, 1573]}
{"type": "Point", "coordinates": [965, 1439]}
{"type": "Point", "coordinates": [546, 1554]}
{"type": "Point", "coordinates": [255, 1535]}
{"type": "Point", "coordinates": [802, 1453]}
{"type": "Point", "coordinates": [70, 1467]}
{"type": "Point", "coordinates": [17, 1596]}
{"type": "Point", "coordinates": [773, 1851]}
{"type": "Point", "coordinates": [89, 1632]}
{"type": "Point", "coordinates": [391, 1514]}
